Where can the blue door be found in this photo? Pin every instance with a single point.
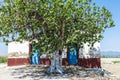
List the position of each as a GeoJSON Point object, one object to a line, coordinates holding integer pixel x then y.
{"type": "Point", "coordinates": [73, 56]}
{"type": "Point", "coordinates": [35, 59]}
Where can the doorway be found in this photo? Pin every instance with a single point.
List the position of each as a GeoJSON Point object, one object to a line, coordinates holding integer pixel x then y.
{"type": "Point", "coordinates": [73, 55]}
{"type": "Point", "coordinates": [35, 58]}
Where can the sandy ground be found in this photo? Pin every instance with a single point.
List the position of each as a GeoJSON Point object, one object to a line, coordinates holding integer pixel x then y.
{"type": "Point", "coordinates": [107, 64]}
{"type": "Point", "coordinates": [6, 73]}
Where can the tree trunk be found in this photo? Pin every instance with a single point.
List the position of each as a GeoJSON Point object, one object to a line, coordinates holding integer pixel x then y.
{"type": "Point", "coordinates": [56, 64]}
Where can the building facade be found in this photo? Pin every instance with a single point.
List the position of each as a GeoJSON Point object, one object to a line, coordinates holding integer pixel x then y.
{"type": "Point", "coordinates": [19, 54]}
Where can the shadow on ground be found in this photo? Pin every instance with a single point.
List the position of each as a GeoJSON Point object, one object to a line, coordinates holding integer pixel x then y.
{"type": "Point", "coordinates": [37, 72]}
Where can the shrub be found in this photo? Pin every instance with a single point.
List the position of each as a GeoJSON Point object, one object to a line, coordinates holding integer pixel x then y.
{"type": "Point", "coordinates": [3, 59]}
{"type": "Point", "coordinates": [116, 62]}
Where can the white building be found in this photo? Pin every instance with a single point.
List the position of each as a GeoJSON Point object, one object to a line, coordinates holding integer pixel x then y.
{"type": "Point", "coordinates": [19, 54]}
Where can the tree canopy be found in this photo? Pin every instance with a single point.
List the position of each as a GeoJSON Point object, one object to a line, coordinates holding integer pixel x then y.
{"type": "Point", "coordinates": [55, 24]}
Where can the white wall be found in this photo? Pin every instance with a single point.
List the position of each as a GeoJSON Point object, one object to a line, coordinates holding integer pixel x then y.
{"type": "Point", "coordinates": [17, 49]}
{"type": "Point", "coordinates": [88, 53]}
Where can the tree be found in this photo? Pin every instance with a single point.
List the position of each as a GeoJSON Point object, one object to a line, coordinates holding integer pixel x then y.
{"type": "Point", "coordinates": [55, 24]}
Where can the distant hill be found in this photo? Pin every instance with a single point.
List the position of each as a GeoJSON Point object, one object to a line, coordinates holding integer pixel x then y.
{"type": "Point", "coordinates": [3, 54]}
{"type": "Point", "coordinates": [110, 54]}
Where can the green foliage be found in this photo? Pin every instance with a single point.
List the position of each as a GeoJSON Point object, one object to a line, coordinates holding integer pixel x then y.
{"type": "Point", "coordinates": [3, 59]}
{"type": "Point", "coordinates": [116, 62]}
{"type": "Point", "coordinates": [53, 23]}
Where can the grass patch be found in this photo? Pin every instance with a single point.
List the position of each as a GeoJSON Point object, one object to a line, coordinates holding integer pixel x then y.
{"type": "Point", "coordinates": [116, 62]}
{"type": "Point", "coordinates": [3, 59]}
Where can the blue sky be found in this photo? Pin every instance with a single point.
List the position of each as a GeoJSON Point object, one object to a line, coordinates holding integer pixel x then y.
{"type": "Point", "coordinates": [111, 40]}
